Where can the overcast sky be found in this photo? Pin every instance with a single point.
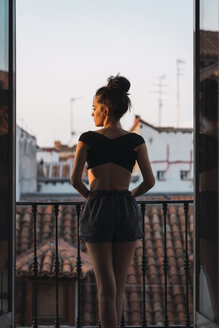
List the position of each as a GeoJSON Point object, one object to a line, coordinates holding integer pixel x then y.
{"type": "Point", "coordinates": [68, 48]}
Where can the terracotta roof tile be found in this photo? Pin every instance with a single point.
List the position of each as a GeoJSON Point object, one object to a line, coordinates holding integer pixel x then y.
{"type": "Point", "coordinates": [131, 279]}
{"type": "Point", "coordinates": [175, 229]}
{"type": "Point", "coordinates": [157, 235]}
{"type": "Point", "coordinates": [209, 44]}
{"type": "Point", "coordinates": [170, 252]}
{"type": "Point", "coordinates": [46, 260]}
{"type": "Point", "coordinates": [149, 243]}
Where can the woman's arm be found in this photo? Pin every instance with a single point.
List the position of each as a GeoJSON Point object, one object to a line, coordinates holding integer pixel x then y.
{"type": "Point", "coordinates": [146, 170]}
{"type": "Point", "coordinates": [76, 175]}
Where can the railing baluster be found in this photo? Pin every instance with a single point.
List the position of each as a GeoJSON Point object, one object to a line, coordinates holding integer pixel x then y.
{"type": "Point", "coordinates": [57, 266]}
{"type": "Point", "coordinates": [165, 265]}
{"type": "Point", "coordinates": [78, 266]}
{"type": "Point", "coordinates": [186, 264]}
{"type": "Point", "coordinates": [35, 270]}
{"type": "Point", "coordinates": [144, 268]}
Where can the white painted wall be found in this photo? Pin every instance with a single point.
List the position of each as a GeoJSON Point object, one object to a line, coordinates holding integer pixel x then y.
{"type": "Point", "coordinates": [26, 164]}
{"type": "Point", "coordinates": [47, 156]}
{"type": "Point", "coordinates": [57, 188]}
{"type": "Point", "coordinates": [180, 147]}
{"type": "Point", "coordinates": [66, 187]}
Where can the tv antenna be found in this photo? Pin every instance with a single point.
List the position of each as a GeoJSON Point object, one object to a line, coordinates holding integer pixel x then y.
{"type": "Point", "coordinates": [160, 92]}
{"type": "Point", "coordinates": [178, 71]}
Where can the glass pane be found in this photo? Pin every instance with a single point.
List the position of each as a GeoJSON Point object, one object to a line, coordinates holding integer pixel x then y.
{"type": "Point", "coordinates": [208, 159]}
{"type": "Point", "coordinates": [4, 158]}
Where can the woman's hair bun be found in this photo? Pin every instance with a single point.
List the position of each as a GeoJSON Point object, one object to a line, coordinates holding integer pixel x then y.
{"type": "Point", "coordinates": [118, 83]}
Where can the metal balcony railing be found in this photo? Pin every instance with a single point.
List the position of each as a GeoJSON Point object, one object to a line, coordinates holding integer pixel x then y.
{"type": "Point", "coordinates": [143, 205]}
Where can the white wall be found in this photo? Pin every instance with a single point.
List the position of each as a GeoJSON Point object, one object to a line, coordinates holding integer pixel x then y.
{"type": "Point", "coordinates": [179, 145]}
{"type": "Point", "coordinates": [26, 164]}
{"type": "Point", "coordinates": [47, 156]}
{"type": "Point", "coordinates": [57, 188]}
{"type": "Point", "coordinates": [66, 187]}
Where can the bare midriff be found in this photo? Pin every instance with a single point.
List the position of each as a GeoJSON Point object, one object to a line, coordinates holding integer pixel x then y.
{"type": "Point", "coordinates": [108, 176]}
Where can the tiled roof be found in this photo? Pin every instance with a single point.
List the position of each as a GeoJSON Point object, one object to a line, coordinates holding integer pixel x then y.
{"type": "Point", "coordinates": [139, 120]}
{"type": "Point", "coordinates": [45, 226]}
{"type": "Point", "coordinates": [46, 260]}
{"type": "Point", "coordinates": [63, 148]}
{"type": "Point", "coordinates": [209, 44]}
{"type": "Point", "coordinates": [136, 122]}
{"type": "Point", "coordinates": [154, 245]}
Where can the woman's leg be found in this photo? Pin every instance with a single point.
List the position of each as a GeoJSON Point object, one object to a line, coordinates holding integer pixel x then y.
{"type": "Point", "coordinates": [101, 258]}
{"type": "Point", "coordinates": [123, 253]}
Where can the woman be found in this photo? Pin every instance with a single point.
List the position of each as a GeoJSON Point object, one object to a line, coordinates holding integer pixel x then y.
{"type": "Point", "coordinates": [110, 218]}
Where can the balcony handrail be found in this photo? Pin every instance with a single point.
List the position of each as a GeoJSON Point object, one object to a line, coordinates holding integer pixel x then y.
{"type": "Point", "coordinates": [147, 202]}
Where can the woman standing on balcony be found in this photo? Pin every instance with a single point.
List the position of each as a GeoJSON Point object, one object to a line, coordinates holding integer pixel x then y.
{"type": "Point", "coordinates": [110, 218]}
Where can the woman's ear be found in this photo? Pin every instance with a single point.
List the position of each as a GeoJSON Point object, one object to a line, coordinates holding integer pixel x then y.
{"type": "Point", "coordinates": [106, 110]}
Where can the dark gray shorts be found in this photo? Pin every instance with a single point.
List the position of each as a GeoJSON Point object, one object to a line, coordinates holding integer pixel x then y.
{"type": "Point", "coordinates": [110, 215]}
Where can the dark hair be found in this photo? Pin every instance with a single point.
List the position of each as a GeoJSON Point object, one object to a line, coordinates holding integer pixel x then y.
{"type": "Point", "coordinates": [115, 95]}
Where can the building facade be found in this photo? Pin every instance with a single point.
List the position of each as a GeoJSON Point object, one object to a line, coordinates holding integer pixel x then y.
{"type": "Point", "coordinates": [170, 152]}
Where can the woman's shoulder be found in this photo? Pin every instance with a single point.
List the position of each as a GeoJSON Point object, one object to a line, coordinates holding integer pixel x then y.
{"type": "Point", "coordinates": [85, 133]}
{"type": "Point", "coordinates": [85, 137]}
{"type": "Point", "coordinates": [137, 139]}
{"type": "Point", "coordinates": [133, 138]}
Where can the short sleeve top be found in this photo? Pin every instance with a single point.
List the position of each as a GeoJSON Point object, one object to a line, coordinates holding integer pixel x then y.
{"type": "Point", "coordinates": [119, 150]}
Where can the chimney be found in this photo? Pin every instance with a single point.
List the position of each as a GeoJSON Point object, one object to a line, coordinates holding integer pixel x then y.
{"type": "Point", "coordinates": [135, 124]}
{"type": "Point", "coordinates": [57, 145]}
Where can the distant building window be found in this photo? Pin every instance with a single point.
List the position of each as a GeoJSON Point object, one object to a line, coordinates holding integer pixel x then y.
{"type": "Point", "coordinates": [161, 175]}
{"type": "Point", "coordinates": [184, 175]}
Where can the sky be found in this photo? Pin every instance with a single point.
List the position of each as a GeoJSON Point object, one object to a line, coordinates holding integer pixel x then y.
{"type": "Point", "coordinates": [67, 49]}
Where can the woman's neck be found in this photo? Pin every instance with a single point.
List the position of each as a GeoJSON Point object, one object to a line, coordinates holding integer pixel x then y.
{"type": "Point", "coordinates": [114, 125]}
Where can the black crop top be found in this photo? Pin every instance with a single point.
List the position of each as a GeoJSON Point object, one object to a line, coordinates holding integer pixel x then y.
{"type": "Point", "coordinates": [119, 150]}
